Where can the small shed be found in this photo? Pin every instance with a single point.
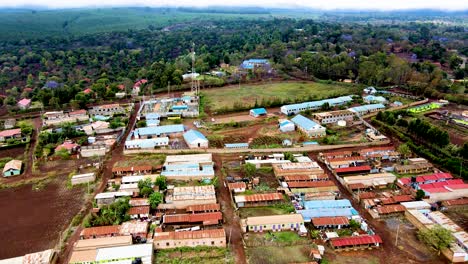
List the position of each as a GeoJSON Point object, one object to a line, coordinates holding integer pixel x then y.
{"type": "Point", "coordinates": [12, 168]}
{"type": "Point", "coordinates": [83, 178]}
{"type": "Point", "coordinates": [256, 112]}
{"type": "Point", "coordinates": [286, 125]}
{"type": "Point", "coordinates": [195, 139]}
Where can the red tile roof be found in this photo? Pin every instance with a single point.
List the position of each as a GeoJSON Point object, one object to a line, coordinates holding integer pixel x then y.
{"type": "Point", "coordinates": [310, 184]}
{"type": "Point", "coordinates": [214, 217]}
{"type": "Point", "coordinates": [237, 185]}
{"type": "Point", "coordinates": [355, 241]}
{"type": "Point", "coordinates": [139, 210]}
{"type": "Point", "coordinates": [327, 221]}
{"type": "Point", "coordinates": [390, 209]}
{"type": "Point", "coordinates": [203, 208]}
{"type": "Point", "coordinates": [100, 231]}
{"type": "Point", "coordinates": [77, 112]}
{"type": "Point", "coordinates": [462, 201]}
{"type": "Point", "coordinates": [353, 169]}
{"type": "Point", "coordinates": [457, 186]}
{"type": "Point", "coordinates": [182, 235]}
{"type": "Point", "coordinates": [337, 153]}
{"type": "Point", "coordinates": [436, 190]}
{"type": "Point", "coordinates": [67, 146]}
{"type": "Point", "coordinates": [402, 198]}
{"type": "Point", "coordinates": [366, 195]}
{"type": "Point", "coordinates": [10, 132]}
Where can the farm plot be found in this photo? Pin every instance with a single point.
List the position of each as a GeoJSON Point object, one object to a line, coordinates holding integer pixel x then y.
{"type": "Point", "coordinates": [205, 255]}
{"type": "Point", "coordinates": [35, 215]}
{"type": "Point", "coordinates": [229, 98]}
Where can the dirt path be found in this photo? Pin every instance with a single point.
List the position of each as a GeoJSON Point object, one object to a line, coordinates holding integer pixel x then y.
{"type": "Point", "coordinates": [232, 224]}
{"type": "Point", "coordinates": [116, 155]}
{"type": "Point", "coordinates": [389, 252]}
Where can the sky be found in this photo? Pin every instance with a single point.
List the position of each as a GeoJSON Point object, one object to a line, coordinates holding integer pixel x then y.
{"type": "Point", "coordinates": [317, 4]}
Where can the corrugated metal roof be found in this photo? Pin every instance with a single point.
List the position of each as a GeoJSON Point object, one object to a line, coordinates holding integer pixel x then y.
{"type": "Point", "coordinates": [259, 111]}
{"type": "Point", "coordinates": [10, 132]}
{"type": "Point", "coordinates": [139, 210]}
{"type": "Point", "coordinates": [236, 185]}
{"type": "Point", "coordinates": [132, 168]}
{"type": "Point", "coordinates": [203, 207]}
{"type": "Point", "coordinates": [259, 197]}
{"type": "Point", "coordinates": [193, 136]}
{"type": "Point", "coordinates": [327, 212]}
{"type": "Point", "coordinates": [100, 230]}
{"type": "Point", "coordinates": [236, 145]}
{"type": "Point", "coordinates": [133, 227]}
{"type": "Point", "coordinates": [192, 218]}
{"type": "Point", "coordinates": [353, 169]}
{"type": "Point", "coordinates": [158, 130]}
{"type": "Point", "coordinates": [275, 219]}
{"type": "Point", "coordinates": [125, 252]}
{"type": "Point", "coordinates": [305, 123]}
{"type": "Point", "coordinates": [183, 235]}
{"type": "Point", "coordinates": [355, 241]}
{"type": "Point", "coordinates": [327, 204]}
{"type": "Point", "coordinates": [462, 201]}
{"type": "Point", "coordinates": [94, 243]}
{"type": "Point", "coordinates": [327, 221]}
{"type": "Point", "coordinates": [364, 108]}
{"type": "Point", "coordinates": [310, 184]}
{"type": "Point", "coordinates": [390, 209]}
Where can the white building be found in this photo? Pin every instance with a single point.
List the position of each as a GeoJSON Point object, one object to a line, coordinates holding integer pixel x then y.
{"type": "Point", "coordinates": [286, 125]}
{"type": "Point", "coordinates": [309, 127]}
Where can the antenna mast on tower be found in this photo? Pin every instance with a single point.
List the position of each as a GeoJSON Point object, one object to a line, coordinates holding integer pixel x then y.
{"type": "Point", "coordinates": [195, 83]}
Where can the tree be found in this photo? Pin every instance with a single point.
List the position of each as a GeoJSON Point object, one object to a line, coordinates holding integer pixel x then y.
{"type": "Point", "coordinates": [141, 123]}
{"type": "Point", "coordinates": [145, 187]}
{"type": "Point", "coordinates": [161, 183]}
{"type": "Point", "coordinates": [249, 170]}
{"type": "Point", "coordinates": [420, 195]}
{"type": "Point", "coordinates": [437, 237]}
{"type": "Point", "coordinates": [404, 150]}
{"type": "Point", "coordinates": [26, 127]}
{"type": "Point", "coordinates": [155, 199]}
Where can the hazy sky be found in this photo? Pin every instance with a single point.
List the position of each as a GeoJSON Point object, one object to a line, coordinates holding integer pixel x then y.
{"type": "Point", "coordinates": [322, 4]}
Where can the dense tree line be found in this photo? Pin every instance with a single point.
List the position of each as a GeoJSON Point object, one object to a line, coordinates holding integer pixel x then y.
{"type": "Point", "coordinates": [425, 131]}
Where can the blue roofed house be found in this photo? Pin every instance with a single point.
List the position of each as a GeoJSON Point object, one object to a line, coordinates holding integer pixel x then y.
{"type": "Point", "coordinates": [12, 168]}
{"type": "Point", "coordinates": [195, 139]}
{"type": "Point", "coordinates": [286, 125]}
{"type": "Point", "coordinates": [308, 214]}
{"type": "Point", "coordinates": [258, 112]}
{"type": "Point", "coordinates": [253, 63]}
{"type": "Point", "coordinates": [188, 167]}
{"type": "Point", "coordinates": [309, 127]}
{"type": "Point", "coordinates": [152, 119]}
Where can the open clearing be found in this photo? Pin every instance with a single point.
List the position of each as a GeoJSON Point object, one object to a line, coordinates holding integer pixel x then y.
{"type": "Point", "coordinates": [227, 97]}
{"type": "Point", "coordinates": [33, 219]}
{"type": "Point", "coordinates": [279, 255]}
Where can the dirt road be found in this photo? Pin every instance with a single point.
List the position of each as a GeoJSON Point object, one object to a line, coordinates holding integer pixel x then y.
{"type": "Point", "coordinates": [232, 221]}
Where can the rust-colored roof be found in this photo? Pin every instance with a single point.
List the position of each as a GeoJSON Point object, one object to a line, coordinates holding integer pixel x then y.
{"type": "Point", "coordinates": [462, 201]}
{"type": "Point", "coordinates": [327, 221]}
{"type": "Point", "coordinates": [236, 185]}
{"type": "Point", "coordinates": [390, 209]}
{"type": "Point", "coordinates": [139, 202]}
{"type": "Point", "coordinates": [139, 210]}
{"type": "Point", "coordinates": [259, 197]}
{"type": "Point", "coordinates": [353, 169]}
{"type": "Point", "coordinates": [310, 184]}
{"type": "Point", "coordinates": [355, 186]}
{"type": "Point", "coordinates": [77, 112]}
{"type": "Point", "coordinates": [10, 132]}
{"type": "Point", "coordinates": [353, 158]}
{"type": "Point", "coordinates": [182, 235]}
{"type": "Point", "coordinates": [355, 241]}
{"type": "Point", "coordinates": [366, 195]}
{"type": "Point", "coordinates": [289, 178]}
{"type": "Point", "coordinates": [192, 218]}
{"type": "Point", "coordinates": [203, 207]}
{"type": "Point", "coordinates": [100, 230]}
{"type": "Point", "coordinates": [132, 168]}
{"type": "Point", "coordinates": [402, 198]}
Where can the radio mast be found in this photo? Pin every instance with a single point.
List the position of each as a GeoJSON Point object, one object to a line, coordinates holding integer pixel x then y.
{"type": "Point", "coordinates": [195, 84]}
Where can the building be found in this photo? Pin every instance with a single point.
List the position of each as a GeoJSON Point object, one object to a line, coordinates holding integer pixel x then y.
{"type": "Point", "coordinates": [195, 139]}
{"type": "Point", "coordinates": [336, 222]}
{"type": "Point", "coordinates": [182, 197]}
{"type": "Point", "coordinates": [69, 146]}
{"type": "Point", "coordinates": [236, 145]}
{"type": "Point", "coordinates": [293, 109]}
{"type": "Point", "coordinates": [83, 178]}
{"type": "Point", "coordinates": [144, 252]}
{"type": "Point", "coordinates": [203, 208]}
{"type": "Point", "coordinates": [188, 167]}
{"type": "Point", "coordinates": [334, 116]}
{"type": "Point", "coordinates": [158, 131]}
{"type": "Point", "coordinates": [366, 109]}
{"type": "Point", "coordinates": [309, 214]}
{"type": "Point", "coordinates": [286, 126]}
{"type": "Point", "coordinates": [260, 199]}
{"type": "Point", "coordinates": [414, 168]}
{"type": "Point", "coordinates": [136, 229]}
{"type": "Point", "coordinates": [456, 203]}
{"type": "Point", "coordinates": [346, 162]}
{"type": "Point", "coordinates": [12, 168]}
{"type": "Point", "coordinates": [389, 210]}
{"type": "Point", "coordinates": [90, 244]}
{"type": "Point", "coordinates": [309, 127]}
{"type": "Point", "coordinates": [139, 212]}
{"type": "Point", "coordinates": [251, 64]}
{"type": "Point", "coordinates": [237, 187]}
{"type": "Point", "coordinates": [150, 143]}
{"type": "Point", "coordinates": [324, 204]}
{"type": "Point", "coordinates": [352, 170]}
{"type": "Point", "coordinates": [107, 110]}
{"type": "Point", "coordinates": [370, 99]}
{"type": "Point", "coordinates": [286, 222]}
{"type": "Point", "coordinates": [10, 134]}
{"type": "Point", "coordinates": [9, 123]}
{"type": "Point", "coordinates": [59, 117]}
{"type": "Point", "coordinates": [297, 168]}
{"type": "Point", "coordinates": [209, 238]}
{"type": "Point", "coordinates": [191, 219]}
{"type": "Point", "coordinates": [370, 180]}
{"type": "Point", "coordinates": [107, 198]}
{"type": "Point", "coordinates": [355, 242]}
{"type": "Point", "coordinates": [257, 112]}
{"type": "Point", "coordinates": [49, 256]}
{"type": "Point", "coordinates": [260, 161]}
{"type": "Point", "coordinates": [24, 103]}
{"type": "Point", "coordinates": [100, 231]}
{"type": "Point", "coordinates": [97, 150]}
{"type": "Point", "coordinates": [132, 170]}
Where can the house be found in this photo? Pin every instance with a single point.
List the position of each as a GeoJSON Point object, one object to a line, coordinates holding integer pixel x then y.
{"type": "Point", "coordinates": [256, 112]}
{"type": "Point", "coordinates": [375, 180]}
{"type": "Point", "coordinates": [293, 109]}
{"type": "Point", "coordinates": [158, 131]}
{"type": "Point", "coordinates": [9, 123]}
{"type": "Point", "coordinates": [356, 242]}
{"type": "Point", "coordinates": [327, 204]}
{"type": "Point", "coordinates": [209, 238]}
{"type": "Point", "coordinates": [150, 143]}
{"type": "Point", "coordinates": [366, 109]}
{"type": "Point", "coordinates": [334, 116]}
{"type": "Point", "coordinates": [286, 222]}
{"type": "Point", "coordinates": [107, 110]}
{"type": "Point", "coordinates": [336, 222]}
{"type": "Point", "coordinates": [455, 203]}
{"type": "Point", "coordinates": [139, 202]}
{"type": "Point", "coordinates": [182, 197]}
{"type": "Point", "coordinates": [260, 199]}
{"type": "Point", "coordinates": [353, 170]}
{"type": "Point", "coordinates": [370, 90]}
{"type": "Point", "coordinates": [205, 219]}
{"type": "Point", "coordinates": [413, 168]}
{"type": "Point", "coordinates": [237, 187]}
{"type": "Point", "coordinates": [83, 178]}
{"type": "Point", "coordinates": [188, 167]}
{"type": "Point", "coordinates": [203, 208]}
{"type": "Point", "coordinates": [309, 127]}
{"type": "Point", "coordinates": [195, 139]}
{"type": "Point", "coordinates": [136, 229]}
{"type": "Point", "coordinates": [390, 210]}
{"type": "Point", "coordinates": [139, 212]}
{"type": "Point", "coordinates": [132, 170]}
{"type": "Point", "coordinates": [24, 103]}
{"type": "Point", "coordinates": [100, 231]}
{"type": "Point", "coordinates": [286, 126]}
{"type": "Point", "coordinates": [69, 146]}
{"type": "Point", "coordinates": [374, 99]}
{"type": "Point", "coordinates": [297, 168]}
{"type": "Point", "coordinates": [107, 198]}
{"type": "Point", "coordinates": [251, 64]}
{"type": "Point", "coordinates": [114, 254]}
{"type": "Point", "coordinates": [309, 214]}
{"type": "Point", "coordinates": [152, 119]}
{"type": "Point", "coordinates": [10, 134]}
{"type": "Point", "coordinates": [12, 168]}
{"type": "Point", "coordinates": [95, 243]}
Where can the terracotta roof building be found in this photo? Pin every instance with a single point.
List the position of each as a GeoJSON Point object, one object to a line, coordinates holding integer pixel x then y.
{"type": "Point", "coordinates": [273, 222]}
{"type": "Point", "coordinates": [261, 199]}
{"type": "Point", "coordinates": [202, 218]}
{"type": "Point", "coordinates": [209, 238]}
{"type": "Point", "coordinates": [356, 242]}
{"type": "Point", "coordinates": [330, 222]}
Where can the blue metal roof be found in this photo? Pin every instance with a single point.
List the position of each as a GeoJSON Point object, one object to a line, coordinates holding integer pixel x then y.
{"type": "Point", "coordinates": [372, 98]}
{"type": "Point", "coordinates": [249, 64]}
{"type": "Point", "coordinates": [194, 135]}
{"type": "Point", "coordinates": [189, 170]}
{"type": "Point", "coordinates": [152, 122]}
{"type": "Point", "coordinates": [317, 204]}
{"type": "Point", "coordinates": [179, 107]}
{"type": "Point", "coordinates": [305, 123]}
{"type": "Point", "coordinates": [310, 143]}
{"type": "Point", "coordinates": [152, 116]}
{"type": "Point", "coordinates": [158, 130]}
{"type": "Point", "coordinates": [316, 104]}
{"type": "Point", "coordinates": [101, 117]}
{"type": "Point", "coordinates": [286, 123]}
{"type": "Point", "coordinates": [326, 212]}
{"type": "Point", "coordinates": [366, 107]}
{"type": "Point", "coordinates": [259, 111]}
{"type": "Point", "coordinates": [236, 145]}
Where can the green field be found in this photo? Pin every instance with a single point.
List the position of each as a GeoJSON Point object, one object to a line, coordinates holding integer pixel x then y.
{"type": "Point", "coordinates": [229, 97]}
{"type": "Point", "coordinates": [263, 211]}
{"type": "Point", "coordinates": [424, 108]}
{"type": "Point", "coordinates": [278, 255]}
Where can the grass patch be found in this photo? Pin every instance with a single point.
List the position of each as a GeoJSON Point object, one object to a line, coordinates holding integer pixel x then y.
{"type": "Point", "coordinates": [142, 159]}
{"type": "Point", "coordinates": [283, 237]}
{"type": "Point", "coordinates": [278, 255]}
{"type": "Point", "coordinates": [266, 210]}
{"type": "Point", "coordinates": [199, 254]}
{"type": "Point", "coordinates": [283, 91]}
